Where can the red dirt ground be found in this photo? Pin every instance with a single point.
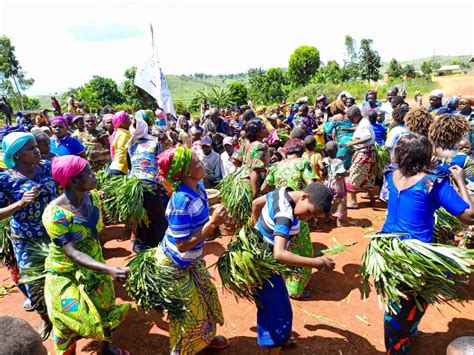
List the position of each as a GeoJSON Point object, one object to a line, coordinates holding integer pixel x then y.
{"type": "Point", "coordinates": [325, 324]}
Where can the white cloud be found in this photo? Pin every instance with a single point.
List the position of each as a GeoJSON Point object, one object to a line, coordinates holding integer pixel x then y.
{"type": "Point", "coordinates": [63, 44]}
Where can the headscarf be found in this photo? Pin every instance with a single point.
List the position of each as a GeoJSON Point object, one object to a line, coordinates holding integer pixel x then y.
{"type": "Point", "coordinates": [107, 116]}
{"type": "Point", "coordinates": [346, 94]}
{"type": "Point", "coordinates": [175, 164]}
{"type": "Point", "coordinates": [76, 118]}
{"type": "Point", "coordinates": [371, 91]}
{"type": "Point", "coordinates": [67, 167]}
{"type": "Point", "coordinates": [438, 93]}
{"type": "Point", "coordinates": [68, 117]}
{"type": "Point", "coordinates": [11, 144]}
{"type": "Point", "coordinates": [58, 119]}
{"type": "Point", "coordinates": [119, 118]}
{"type": "Point", "coordinates": [138, 132]}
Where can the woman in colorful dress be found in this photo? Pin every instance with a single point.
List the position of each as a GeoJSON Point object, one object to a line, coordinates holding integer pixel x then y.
{"type": "Point", "coordinates": [296, 173]}
{"type": "Point", "coordinates": [143, 150]}
{"type": "Point", "coordinates": [62, 143]}
{"type": "Point", "coordinates": [26, 187]}
{"type": "Point", "coordinates": [340, 128]}
{"type": "Point", "coordinates": [362, 169]}
{"type": "Point", "coordinates": [79, 291]}
{"type": "Point", "coordinates": [255, 155]}
{"type": "Point", "coordinates": [189, 225]}
{"type": "Point", "coordinates": [118, 144]}
{"type": "Point", "coordinates": [414, 196]}
{"type": "Point", "coordinates": [96, 143]}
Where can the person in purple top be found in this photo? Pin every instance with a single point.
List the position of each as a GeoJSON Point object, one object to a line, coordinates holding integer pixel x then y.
{"type": "Point", "coordinates": [306, 119]}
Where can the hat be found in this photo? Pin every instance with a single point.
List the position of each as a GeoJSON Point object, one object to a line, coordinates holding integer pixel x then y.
{"type": "Point", "coordinates": [194, 130]}
{"type": "Point", "coordinates": [228, 141]}
{"type": "Point", "coordinates": [206, 140]}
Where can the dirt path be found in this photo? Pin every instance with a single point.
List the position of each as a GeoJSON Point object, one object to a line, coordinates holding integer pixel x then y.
{"type": "Point", "coordinates": [325, 324]}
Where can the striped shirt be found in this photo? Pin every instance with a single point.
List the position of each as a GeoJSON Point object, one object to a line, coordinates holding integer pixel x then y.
{"type": "Point", "coordinates": [187, 213]}
{"type": "Point", "coordinates": [277, 216]}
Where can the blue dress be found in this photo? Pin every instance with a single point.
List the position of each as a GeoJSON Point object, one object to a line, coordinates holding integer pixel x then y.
{"type": "Point", "coordinates": [412, 211]}
{"type": "Point", "coordinates": [26, 225]}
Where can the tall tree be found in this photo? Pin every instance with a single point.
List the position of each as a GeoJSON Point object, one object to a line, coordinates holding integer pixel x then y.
{"type": "Point", "coordinates": [409, 71]}
{"type": "Point", "coordinates": [303, 64]}
{"type": "Point", "coordinates": [103, 91]}
{"type": "Point", "coordinates": [395, 69]}
{"type": "Point", "coordinates": [351, 69]}
{"type": "Point", "coordinates": [10, 68]}
{"type": "Point", "coordinates": [369, 61]}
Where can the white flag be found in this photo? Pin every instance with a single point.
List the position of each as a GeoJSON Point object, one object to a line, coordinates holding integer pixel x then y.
{"type": "Point", "coordinates": [151, 79]}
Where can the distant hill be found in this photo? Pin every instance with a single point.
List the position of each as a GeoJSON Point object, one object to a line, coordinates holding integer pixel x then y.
{"type": "Point", "coordinates": [441, 59]}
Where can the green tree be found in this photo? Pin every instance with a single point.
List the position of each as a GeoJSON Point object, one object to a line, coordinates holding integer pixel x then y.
{"type": "Point", "coordinates": [217, 97]}
{"type": "Point", "coordinates": [10, 68]}
{"type": "Point", "coordinates": [409, 71]}
{"type": "Point", "coordinates": [275, 82]}
{"type": "Point", "coordinates": [303, 64]}
{"type": "Point", "coordinates": [238, 93]}
{"type": "Point", "coordinates": [395, 69]}
{"type": "Point", "coordinates": [257, 85]}
{"type": "Point", "coordinates": [462, 64]}
{"type": "Point", "coordinates": [101, 91]}
{"type": "Point", "coordinates": [369, 61]}
{"type": "Point", "coordinates": [330, 73]}
{"type": "Point", "coordinates": [135, 96]}
{"type": "Point", "coordinates": [427, 67]}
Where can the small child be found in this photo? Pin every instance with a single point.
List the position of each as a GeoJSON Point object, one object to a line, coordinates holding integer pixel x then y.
{"type": "Point", "coordinates": [464, 146]}
{"type": "Point", "coordinates": [379, 129]}
{"type": "Point", "coordinates": [44, 145]}
{"type": "Point", "coordinates": [319, 133]}
{"type": "Point", "coordinates": [314, 157]}
{"type": "Point", "coordinates": [335, 181]}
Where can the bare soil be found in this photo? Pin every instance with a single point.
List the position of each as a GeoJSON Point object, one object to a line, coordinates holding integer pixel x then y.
{"type": "Point", "coordinates": [328, 323]}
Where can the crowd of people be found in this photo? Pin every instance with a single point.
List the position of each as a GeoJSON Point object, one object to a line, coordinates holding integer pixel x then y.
{"type": "Point", "coordinates": [304, 162]}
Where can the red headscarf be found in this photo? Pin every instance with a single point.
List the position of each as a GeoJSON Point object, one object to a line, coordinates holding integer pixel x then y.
{"type": "Point", "coordinates": [67, 167]}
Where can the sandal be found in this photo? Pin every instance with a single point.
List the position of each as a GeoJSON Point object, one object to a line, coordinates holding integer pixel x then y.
{"type": "Point", "coordinates": [219, 342]}
{"type": "Point", "coordinates": [27, 306]}
{"type": "Point", "coordinates": [45, 331]}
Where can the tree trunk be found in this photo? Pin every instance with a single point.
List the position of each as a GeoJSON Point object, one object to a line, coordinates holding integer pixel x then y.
{"type": "Point", "coordinates": [19, 93]}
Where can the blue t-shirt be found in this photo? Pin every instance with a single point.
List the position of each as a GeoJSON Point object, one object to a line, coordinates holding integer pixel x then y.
{"type": "Point", "coordinates": [380, 133]}
{"type": "Point", "coordinates": [412, 210]}
{"type": "Point", "coordinates": [277, 217]}
{"type": "Point", "coordinates": [187, 213]}
{"type": "Point", "coordinates": [67, 145]}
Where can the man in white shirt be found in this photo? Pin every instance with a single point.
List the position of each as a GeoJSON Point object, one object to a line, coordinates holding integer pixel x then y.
{"type": "Point", "coordinates": [227, 157]}
{"type": "Point", "coordinates": [387, 105]}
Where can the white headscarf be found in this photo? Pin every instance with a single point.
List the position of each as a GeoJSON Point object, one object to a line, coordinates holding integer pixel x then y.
{"type": "Point", "coordinates": [346, 94]}
{"type": "Point", "coordinates": [138, 131]}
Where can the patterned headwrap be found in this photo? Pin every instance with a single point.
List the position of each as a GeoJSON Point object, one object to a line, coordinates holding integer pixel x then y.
{"type": "Point", "coordinates": [11, 144]}
{"type": "Point", "coordinates": [174, 164]}
{"type": "Point", "coordinates": [67, 167]}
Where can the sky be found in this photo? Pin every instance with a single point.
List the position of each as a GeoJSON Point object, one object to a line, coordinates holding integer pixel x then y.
{"type": "Point", "coordinates": [63, 44]}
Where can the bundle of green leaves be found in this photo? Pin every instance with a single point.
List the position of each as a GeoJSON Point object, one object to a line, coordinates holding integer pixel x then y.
{"type": "Point", "coordinates": [153, 286]}
{"type": "Point", "coordinates": [237, 197]}
{"type": "Point", "coordinates": [401, 268]}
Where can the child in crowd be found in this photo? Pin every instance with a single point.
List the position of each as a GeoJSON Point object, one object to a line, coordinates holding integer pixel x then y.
{"type": "Point", "coordinates": [314, 157]}
{"type": "Point", "coordinates": [278, 216]}
{"type": "Point", "coordinates": [44, 145]}
{"type": "Point", "coordinates": [227, 157]}
{"type": "Point", "coordinates": [319, 133]}
{"type": "Point", "coordinates": [335, 181]}
{"type": "Point", "coordinates": [379, 129]}
{"type": "Point", "coordinates": [464, 146]}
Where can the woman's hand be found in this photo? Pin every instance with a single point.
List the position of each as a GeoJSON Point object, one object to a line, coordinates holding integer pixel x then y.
{"type": "Point", "coordinates": [219, 216]}
{"type": "Point", "coordinates": [29, 197]}
{"type": "Point", "coordinates": [457, 174]}
{"type": "Point", "coordinates": [118, 273]}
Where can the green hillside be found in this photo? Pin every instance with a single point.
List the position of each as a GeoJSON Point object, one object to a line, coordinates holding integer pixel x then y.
{"type": "Point", "coordinates": [441, 59]}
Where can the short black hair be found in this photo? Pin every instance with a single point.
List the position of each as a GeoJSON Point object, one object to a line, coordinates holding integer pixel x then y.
{"type": "Point", "coordinates": [19, 338]}
{"type": "Point", "coordinates": [372, 116]}
{"type": "Point", "coordinates": [399, 114]}
{"type": "Point", "coordinates": [413, 154]}
{"type": "Point", "coordinates": [310, 142]}
{"type": "Point", "coordinates": [320, 196]}
{"type": "Point", "coordinates": [248, 115]}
